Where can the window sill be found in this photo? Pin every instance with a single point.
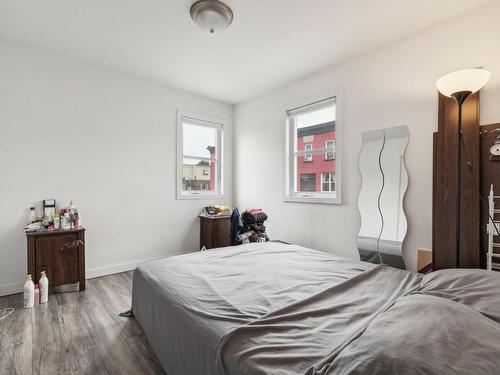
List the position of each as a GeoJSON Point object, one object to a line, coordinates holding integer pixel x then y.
{"type": "Point", "coordinates": [206, 196]}
{"type": "Point", "coordinates": [312, 199]}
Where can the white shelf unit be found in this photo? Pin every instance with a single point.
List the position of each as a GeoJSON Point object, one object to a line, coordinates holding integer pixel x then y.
{"type": "Point", "coordinates": [493, 258]}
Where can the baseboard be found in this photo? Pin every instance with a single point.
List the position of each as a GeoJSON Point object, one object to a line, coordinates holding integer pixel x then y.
{"type": "Point", "coordinates": [14, 288]}
{"type": "Point", "coordinates": [11, 288]}
{"type": "Point", "coordinates": [116, 268]}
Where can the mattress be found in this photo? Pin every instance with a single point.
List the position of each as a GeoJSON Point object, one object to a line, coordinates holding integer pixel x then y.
{"type": "Point", "coordinates": [271, 308]}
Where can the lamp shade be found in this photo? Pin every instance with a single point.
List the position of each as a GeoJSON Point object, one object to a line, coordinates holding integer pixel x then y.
{"type": "Point", "coordinates": [467, 80]}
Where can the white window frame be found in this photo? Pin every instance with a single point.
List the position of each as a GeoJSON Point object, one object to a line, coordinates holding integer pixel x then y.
{"type": "Point", "coordinates": [210, 122]}
{"type": "Point", "coordinates": [330, 182]}
{"type": "Point", "coordinates": [308, 156]}
{"type": "Point", "coordinates": [330, 150]}
{"type": "Point", "coordinates": [312, 197]}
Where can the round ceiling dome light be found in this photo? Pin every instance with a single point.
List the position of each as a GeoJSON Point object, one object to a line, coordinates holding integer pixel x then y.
{"type": "Point", "coordinates": [211, 15]}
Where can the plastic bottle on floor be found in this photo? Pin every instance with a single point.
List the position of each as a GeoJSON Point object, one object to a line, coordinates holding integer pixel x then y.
{"type": "Point", "coordinates": [44, 288]}
{"type": "Point", "coordinates": [29, 293]}
{"type": "Point", "coordinates": [37, 294]}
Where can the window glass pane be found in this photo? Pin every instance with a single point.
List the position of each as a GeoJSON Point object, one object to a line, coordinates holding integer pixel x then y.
{"type": "Point", "coordinates": [198, 175]}
{"type": "Point", "coordinates": [198, 141]}
{"type": "Point", "coordinates": [314, 127]}
{"type": "Point", "coordinates": [314, 175]}
{"type": "Point", "coordinates": [315, 116]}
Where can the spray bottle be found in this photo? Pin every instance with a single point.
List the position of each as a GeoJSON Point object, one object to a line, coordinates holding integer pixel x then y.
{"type": "Point", "coordinates": [32, 218]}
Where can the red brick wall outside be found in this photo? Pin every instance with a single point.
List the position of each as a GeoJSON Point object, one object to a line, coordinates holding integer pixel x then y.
{"type": "Point", "coordinates": [318, 164]}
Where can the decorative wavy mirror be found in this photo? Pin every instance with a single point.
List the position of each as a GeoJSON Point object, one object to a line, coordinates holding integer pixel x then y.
{"type": "Point", "coordinates": [380, 200]}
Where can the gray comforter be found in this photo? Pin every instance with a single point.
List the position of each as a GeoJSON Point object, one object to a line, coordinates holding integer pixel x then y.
{"type": "Point", "coordinates": [284, 309]}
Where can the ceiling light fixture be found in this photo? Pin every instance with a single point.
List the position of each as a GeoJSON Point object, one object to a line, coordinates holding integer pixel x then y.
{"type": "Point", "coordinates": [211, 15]}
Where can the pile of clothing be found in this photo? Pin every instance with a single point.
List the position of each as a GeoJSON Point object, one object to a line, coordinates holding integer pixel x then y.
{"type": "Point", "coordinates": [215, 211]}
{"type": "Point", "coordinates": [248, 227]}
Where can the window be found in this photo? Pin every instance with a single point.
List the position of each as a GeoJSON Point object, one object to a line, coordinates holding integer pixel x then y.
{"type": "Point", "coordinates": [327, 181]}
{"type": "Point", "coordinates": [330, 145]}
{"type": "Point", "coordinates": [312, 167]}
{"type": "Point", "coordinates": [308, 156]}
{"type": "Point", "coordinates": [199, 157]}
{"type": "Point", "coordinates": [308, 182]}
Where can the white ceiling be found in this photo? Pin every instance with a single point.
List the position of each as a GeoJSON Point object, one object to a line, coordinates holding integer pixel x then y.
{"type": "Point", "coordinates": [270, 42]}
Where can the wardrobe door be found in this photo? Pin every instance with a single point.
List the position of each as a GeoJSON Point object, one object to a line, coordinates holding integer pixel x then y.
{"type": "Point", "coordinates": [371, 186]}
{"type": "Point", "coordinates": [60, 264]}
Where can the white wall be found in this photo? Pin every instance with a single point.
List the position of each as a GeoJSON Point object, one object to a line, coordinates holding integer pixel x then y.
{"type": "Point", "coordinates": [72, 131]}
{"type": "Point", "coordinates": [389, 87]}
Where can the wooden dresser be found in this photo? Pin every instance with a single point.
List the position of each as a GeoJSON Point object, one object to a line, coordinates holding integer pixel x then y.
{"type": "Point", "coordinates": [61, 253]}
{"type": "Point", "coordinates": [214, 231]}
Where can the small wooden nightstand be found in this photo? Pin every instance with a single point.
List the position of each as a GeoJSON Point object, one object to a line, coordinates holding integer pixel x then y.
{"type": "Point", "coordinates": [214, 231]}
{"type": "Point", "coordinates": [61, 253]}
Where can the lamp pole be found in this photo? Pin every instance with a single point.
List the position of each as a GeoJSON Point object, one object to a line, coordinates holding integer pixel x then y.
{"type": "Point", "coordinates": [460, 98]}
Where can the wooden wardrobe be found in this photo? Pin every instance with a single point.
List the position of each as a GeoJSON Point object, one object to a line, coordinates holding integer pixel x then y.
{"type": "Point", "coordinates": [478, 173]}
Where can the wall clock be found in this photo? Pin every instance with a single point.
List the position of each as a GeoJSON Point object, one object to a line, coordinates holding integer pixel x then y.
{"type": "Point", "coordinates": [495, 149]}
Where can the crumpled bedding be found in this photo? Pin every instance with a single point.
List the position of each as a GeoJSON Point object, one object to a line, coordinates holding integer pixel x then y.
{"type": "Point", "coordinates": [306, 336]}
{"type": "Point", "coordinates": [271, 308]}
{"type": "Point", "coordinates": [449, 325]}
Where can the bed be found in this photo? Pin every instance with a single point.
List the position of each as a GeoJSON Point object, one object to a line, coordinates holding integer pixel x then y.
{"type": "Point", "coordinates": [272, 308]}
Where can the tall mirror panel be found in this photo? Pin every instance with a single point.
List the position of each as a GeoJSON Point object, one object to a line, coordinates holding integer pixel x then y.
{"type": "Point", "coordinates": [391, 198]}
{"type": "Point", "coordinates": [380, 201]}
{"type": "Point", "coordinates": [371, 185]}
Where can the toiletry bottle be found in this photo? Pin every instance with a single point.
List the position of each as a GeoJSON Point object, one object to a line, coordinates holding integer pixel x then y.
{"type": "Point", "coordinates": [32, 218]}
{"type": "Point", "coordinates": [65, 224]}
{"type": "Point", "coordinates": [37, 294]}
{"type": "Point", "coordinates": [57, 222]}
{"type": "Point", "coordinates": [29, 293]}
{"type": "Point", "coordinates": [44, 288]}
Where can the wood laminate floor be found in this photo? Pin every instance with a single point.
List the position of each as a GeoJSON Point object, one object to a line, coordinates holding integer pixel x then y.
{"type": "Point", "coordinates": [76, 333]}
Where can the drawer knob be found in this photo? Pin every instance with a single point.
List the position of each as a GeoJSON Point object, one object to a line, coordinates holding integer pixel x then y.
{"type": "Point", "coordinates": [44, 263]}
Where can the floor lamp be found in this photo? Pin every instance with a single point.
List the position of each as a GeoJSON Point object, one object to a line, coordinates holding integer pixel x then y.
{"type": "Point", "coordinates": [460, 85]}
